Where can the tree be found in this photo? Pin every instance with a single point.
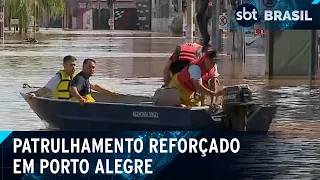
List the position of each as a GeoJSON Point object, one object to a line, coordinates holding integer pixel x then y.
{"type": "Point", "coordinates": [25, 9]}
{"type": "Point", "coordinates": [234, 4]}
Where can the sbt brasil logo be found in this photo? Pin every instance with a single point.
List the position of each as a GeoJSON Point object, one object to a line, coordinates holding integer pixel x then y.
{"type": "Point", "coordinates": [247, 15]}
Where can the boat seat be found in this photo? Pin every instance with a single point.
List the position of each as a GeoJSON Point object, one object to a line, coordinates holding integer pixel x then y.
{"type": "Point", "coordinates": [199, 107]}
{"type": "Point", "coordinates": [166, 97]}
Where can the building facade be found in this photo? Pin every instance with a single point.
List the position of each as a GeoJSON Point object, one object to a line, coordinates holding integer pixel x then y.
{"type": "Point", "coordinates": [170, 15]}
{"type": "Point", "coordinates": [95, 14]}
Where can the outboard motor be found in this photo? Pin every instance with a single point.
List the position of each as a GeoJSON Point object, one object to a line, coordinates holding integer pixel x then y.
{"type": "Point", "coordinates": [242, 114]}
{"type": "Point", "coordinates": [237, 100]}
{"type": "Point", "coordinates": [237, 95]}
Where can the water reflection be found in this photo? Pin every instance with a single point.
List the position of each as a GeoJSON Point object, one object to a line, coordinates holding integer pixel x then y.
{"type": "Point", "coordinates": [280, 157]}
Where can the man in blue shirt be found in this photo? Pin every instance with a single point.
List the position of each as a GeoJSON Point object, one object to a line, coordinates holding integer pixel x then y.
{"type": "Point", "coordinates": [81, 87]}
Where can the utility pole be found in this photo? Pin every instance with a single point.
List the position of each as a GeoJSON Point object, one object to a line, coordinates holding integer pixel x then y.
{"type": "Point", "coordinates": [99, 15]}
{"type": "Point", "coordinates": [218, 31]}
{"type": "Point", "coordinates": [190, 16]}
{"type": "Point", "coordinates": [216, 34]}
{"type": "Point", "coordinates": [112, 16]}
{"type": "Point", "coordinates": [111, 11]}
{"type": "Point", "coordinates": [35, 19]}
{"type": "Point", "coordinates": [214, 24]}
{"type": "Point", "coordinates": [2, 22]}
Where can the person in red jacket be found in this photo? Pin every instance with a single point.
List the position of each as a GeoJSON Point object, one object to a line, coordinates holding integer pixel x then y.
{"type": "Point", "coordinates": [191, 81]}
{"type": "Point", "coordinates": [182, 56]}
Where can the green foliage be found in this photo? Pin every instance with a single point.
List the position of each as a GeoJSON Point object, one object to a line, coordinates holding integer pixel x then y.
{"type": "Point", "coordinates": [25, 9]}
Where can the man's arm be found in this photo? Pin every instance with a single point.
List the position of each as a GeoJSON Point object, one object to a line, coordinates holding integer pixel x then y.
{"type": "Point", "coordinates": [167, 73]}
{"type": "Point", "coordinates": [75, 85]}
{"type": "Point", "coordinates": [214, 82]}
{"type": "Point", "coordinates": [201, 89]}
{"type": "Point", "coordinates": [212, 87]}
{"type": "Point", "coordinates": [195, 75]}
{"type": "Point", "coordinates": [75, 93]}
{"type": "Point", "coordinates": [166, 70]}
{"type": "Point", "coordinates": [41, 92]}
{"type": "Point", "coordinates": [102, 90]}
{"type": "Point", "coordinates": [50, 87]}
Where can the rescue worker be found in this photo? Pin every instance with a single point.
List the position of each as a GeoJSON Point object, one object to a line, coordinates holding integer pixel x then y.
{"type": "Point", "coordinates": [59, 84]}
{"type": "Point", "coordinates": [192, 79]}
{"type": "Point", "coordinates": [181, 57]}
{"type": "Point", "coordinates": [81, 87]}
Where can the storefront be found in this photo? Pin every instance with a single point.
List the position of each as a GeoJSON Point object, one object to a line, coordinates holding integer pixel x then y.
{"type": "Point", "coordinates": [95, 14]}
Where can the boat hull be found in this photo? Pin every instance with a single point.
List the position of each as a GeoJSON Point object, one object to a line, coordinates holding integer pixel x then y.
{"type": "Point", "coordinates": [116, 116]}
{"type": "Point", "coordinates": [67, 115]}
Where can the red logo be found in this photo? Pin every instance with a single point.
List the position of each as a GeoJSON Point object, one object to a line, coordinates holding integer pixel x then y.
{"type": "Point", "coordinates": [259, 32]}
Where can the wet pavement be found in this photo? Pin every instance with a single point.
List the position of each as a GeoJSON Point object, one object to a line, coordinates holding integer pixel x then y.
{"type": "Point", "coordinates": [133, 65]}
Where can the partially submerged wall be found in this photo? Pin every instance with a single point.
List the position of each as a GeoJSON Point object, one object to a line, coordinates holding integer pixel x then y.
{"type": "Point", "coordinates": [291, 53]}
{"type": "Point", "coordinates": [163, 15]}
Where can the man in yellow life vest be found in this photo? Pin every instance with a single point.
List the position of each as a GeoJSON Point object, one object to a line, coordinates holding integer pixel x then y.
{"type": "Point", "coordinates": [80, 88]}
{"type": "Point", "coordinates": [59, 84]}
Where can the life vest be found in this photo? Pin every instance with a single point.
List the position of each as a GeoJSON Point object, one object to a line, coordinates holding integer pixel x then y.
{"type": "Point", "coordinates": [88, 98]}
{"type": "Point", "coordinates": [184, 76]}
{"type": "Point", "coordinates": [189, 52]}
{"type": "Point", "coordinates": [62, 90]}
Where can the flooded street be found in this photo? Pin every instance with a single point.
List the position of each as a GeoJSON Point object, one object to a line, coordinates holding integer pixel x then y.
{"type": "Point", "coordinates": [133, 65]}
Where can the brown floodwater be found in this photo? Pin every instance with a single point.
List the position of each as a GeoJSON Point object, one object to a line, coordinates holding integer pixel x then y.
{"type": "Point", "coordinates": [131, 63]}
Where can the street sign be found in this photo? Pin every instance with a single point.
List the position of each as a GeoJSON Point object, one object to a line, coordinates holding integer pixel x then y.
{"type": "Point", "coordinates": [14, 22]}
{"type": "Point", "coordinates": [1, 17]}
{"type": "Point", "coordinates": [223, 22]}
{"type": "Point", "coordinates": [184, 30]}
{"type": "Point", "coordinates": [110, 22]}
{"type": "Point", "coordinates": [82, 5]}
